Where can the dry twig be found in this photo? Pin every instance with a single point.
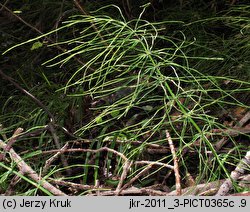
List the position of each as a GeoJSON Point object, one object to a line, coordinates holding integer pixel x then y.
{"type": "Point", "coordinates": [25, 169]}
{"type": "Point", "coordinates": [10, 190]}
{"type": "Point", "coordinates": [102, 149]}
{"type": "Point", "coordinates": [39, 32]}
{"type": "Point", "coordinates": [84, 12]}
{"type": "Point", "coordinates": [151, 163]}
{"type": "Point", "coordinates": [239, 171]}
{"type": "Point", "coordinates": [52, 122]}
{"type": "Point", "coordinates": [133, 191]}
{"type": "Point", "coordinates": [74, 186]}
{"type": "Point", "coordinates": [236, 130]}
{"type": "Point", "coordinates": [135, 178]}
{"type": "Point", "coordinates": [53, 158]}
{"type": "Point", "coordinates": [176, 166]}
{"type": "Point", "coordinates": [11, 141]}
{"type": "Point", "coordinates": [126, 168]}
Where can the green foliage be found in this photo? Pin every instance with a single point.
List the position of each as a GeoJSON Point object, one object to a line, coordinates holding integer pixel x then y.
{"type": "Point", "coordinates": [36, 45]}
{"type": "Point", "coordinates": [123, 81]}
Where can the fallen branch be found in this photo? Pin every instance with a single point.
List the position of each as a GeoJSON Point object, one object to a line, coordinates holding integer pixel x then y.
{"type": "Point", "coordinates": [134, 178]}
{"type": "Point", "coordinates": [25, 169]}
{"type": "Point", "coordinates": [150, 148]}
{"type": "Point", "coordinates": [74, 186]}
{"type": "Point", "coordinates": [207, 189]}
{"type": "Point", "coordinates": [53, 158]}
{"type": "Point", "coordinates": [84, 12]}
{"type": "Point", "coordinates": [52, 121]}
{"type": "Point", "coordinates": [235, 131]}
{"type": "Point", "coordinates": [239, 171]}
{"type": "Point", "coordinates": [133, 191]}
{"type": "Point", "coordinates": [203, 188]}
{"type": "Point", "coordinates": [11, 141]}
{"type": "Point", "coordinates": [196, 190]}
{"type": "Point", "coordinates": [246, 193]}
{"type": "Point", "coordinates": [10, 190]}
{"type": "Point", "coordinates": [126, 168]}
{"type": "Point", "coordinates": [102, 149]}
{"type": "Point", "coordinates": [176, 166]}
{"type": "Point", "coordinates": [142, 162]}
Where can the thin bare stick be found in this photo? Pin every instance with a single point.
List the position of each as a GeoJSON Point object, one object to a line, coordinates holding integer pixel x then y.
{"type": "Point", "coordinates": [53, 158]}
{"type": "Point", "coordinates": [244, 119]}
{"type": "Point", "coordinates": [176, 166]}
{"type": "Point", "coordinates": [102, 149]}
{"type": "Point", "coordinates": [80, 7]}
{"type": "Point", "coordinates": [135, 178]}
{"type": "Point", "coordinates": [26, 169]}
{"type": "Point", "coordinates": [11, 141]}
{"type": "Point", "coordinates": [133, 191]}
{"type": "Point", "coordinates": [209, 192]}
{"type": "Point", "coordinates": [41, 33]}
{"type": "Point", "coordinates": [88, 150]}
{"type": "Point", "coordinates": [244, 181]}
{"type": "Point", "coordinates": [239, 171]}
{"type": "Point", "coordinates": [37, 101]}
{"type": "Point", "coordinates": [126, 168]}
{"type": "Point", "coordinates": [84, 12]}
{"type": "Point", "coordinates": [197, 189]}
{"type": "Point", "coordinates": [142, 162]}
{"type": "Point", "coordinates": [97, 184]}
{"type": "Point", "coordinates": [236, 130]}
{"type": "Point", "coordinates": [5, 3]}
{"type": "Point", "coordinates": [58, 146]}
{"type": "Point", "coordinates": [201, 188]}
{"type": "Point", "coordinates": [153, 147]}
{"type": "Point", "coordinates": [127, 8]}
{"type": "Point", "coordinates": [20, 19]}
{"type": "Point", "coordinates": [41, 105]}
{"type": "Point", "coordinates": [150, 165]}
{"type": "Point", "coordinates": [11, 188]}
{"type": "Point", "coordinates": [245, 193]}
{"type": "Point", "coordinates": [75, 186]}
